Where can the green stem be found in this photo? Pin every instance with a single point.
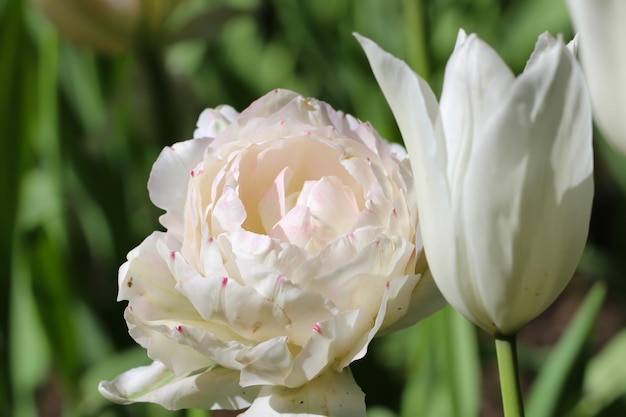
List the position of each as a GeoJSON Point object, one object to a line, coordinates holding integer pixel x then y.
{"type": "Point", "coordinates": [506, 351]}
{"type": "Point", "coordinates": [417, 47]}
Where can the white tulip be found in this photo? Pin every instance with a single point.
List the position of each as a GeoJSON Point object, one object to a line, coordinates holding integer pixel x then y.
{"type": "Point", "coordinates": [503, 169]}
{"type": "Point", "coordinates": [602, 32]}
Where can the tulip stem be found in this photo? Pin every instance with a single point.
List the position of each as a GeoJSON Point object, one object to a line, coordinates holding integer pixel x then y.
{"type": "Point", "coordinates": [506, 350]}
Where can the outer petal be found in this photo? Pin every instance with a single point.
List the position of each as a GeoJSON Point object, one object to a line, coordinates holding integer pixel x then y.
{"type": "Point", "coordinates": [416, 111]}
{"type": "Point", "coordinates": [178, 358]}
{"type": "Point", "coordinates": [331, 340]}
{"type": "Point", "coordinates": [332, 394]}
{"type": "Point", "coordinates": [408, 304]}
{"type": "Point", "coordinates": [475, 81]}
{"type": "Point", "coordinates": [169, 178]}
{"type": "Point", "coordinates": [602, 32]}
{"type": "Point", "coordinates": [214, 121]}
{"type": "Point", "coordinates": [146, 282]}
{"type": "Point", "coordinates": [215, 388]}
{"type": "Point", "coordinates": [527, 195]}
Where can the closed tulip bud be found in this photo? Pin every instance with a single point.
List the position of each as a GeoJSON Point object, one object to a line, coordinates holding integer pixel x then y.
{"type": "Point", "coordinates": [503, 167]}
{"type": "Point", "coordinates": [603, 56]}
{"type": "Point", "coordinates": [108, 25]}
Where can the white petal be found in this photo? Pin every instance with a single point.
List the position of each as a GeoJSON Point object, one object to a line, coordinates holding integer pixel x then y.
{"type": "Point", "coordinates": [352, 276]}
{"type": "Point", "coordinates": [331, 343]}
{"type": "Point", "coordinates": [213, 341]}
{"type": "Point", "coordinates": [332, 394]}
{"type": "Point", "coordinates": [229, 212]}
{"type": "Point", "coordinates": [224, 300]}
{"type": "Point", "coordinates": [263, 250]}
{"type": "Point", "coordinates": [302, 306]}
{"type": "Point", "coordinates": [216, 388]}
{"type": "Point", "coordinates": [157, 339]}
{"type": "Point", "coordinates": [296, 227]}
{"type": "Point", "coordinates": [332, 205]}
{"type": "Point", "coordinates": [169, 179]}
{"type": "Point", "coordinates": [214, 121]}
{"type": "Point", "coordinates": [267, 363]}
{"type": "Point", "coordinates": [146, 282]}
{"type": "Point", "coordinates": [409, 301]}
{"type": "Point", "coordinates": [416, 111]}
{"type": "Point", "coordinates": [534, 167]}
{"type": "Point", "coordinates": [544, 42]}
{"type": "Point", "coordinates": [475, 81]}
{"type": "Point", "coordinates": [602, 32]}
{"type": "Point", "coordinates": [273, 205]}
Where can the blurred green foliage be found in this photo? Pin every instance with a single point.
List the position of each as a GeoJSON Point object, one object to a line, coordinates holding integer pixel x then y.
{"type": "Point", "coordinates": [80, 130]}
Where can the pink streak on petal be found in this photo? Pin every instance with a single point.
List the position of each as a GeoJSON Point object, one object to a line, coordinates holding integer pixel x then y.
{"type": "Point", "coordinates": [280, 279]}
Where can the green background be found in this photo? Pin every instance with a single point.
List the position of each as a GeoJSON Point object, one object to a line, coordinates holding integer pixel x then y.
{"type": "Point", "coordinates": [80, 129]}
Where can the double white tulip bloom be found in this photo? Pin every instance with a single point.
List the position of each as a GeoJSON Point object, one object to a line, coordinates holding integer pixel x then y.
{"type": "Point", "coordinates": [603, 56]}
{"type": "Point", "coordinates": [504, 175]}
{"type": "Point", "coordinates": [291, 242]}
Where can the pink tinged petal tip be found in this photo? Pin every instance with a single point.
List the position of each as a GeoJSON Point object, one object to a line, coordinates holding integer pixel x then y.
{"type": "Point", "coordinates": [173, 255]}
{"type": "Point", "coordinates": [194, 172]}
{"type": "Point", "coordinates": [317, 328]}
{"type": "Point", "coordinates": [224, 282]}
{"type": "Point", "coordinates": [280, 279]}
{"type": "Point", "coordinates": [179, 328]}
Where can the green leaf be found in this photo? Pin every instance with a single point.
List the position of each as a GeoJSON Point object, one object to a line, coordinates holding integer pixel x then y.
{"type": "Point", "coordinates": [380, 412]}
{"type": "Point", "coordinates": [605, 378]}
{"type": "Point", "coordinates": [552, 378]}
{"type": "Point", "coordinates": [444, 368]}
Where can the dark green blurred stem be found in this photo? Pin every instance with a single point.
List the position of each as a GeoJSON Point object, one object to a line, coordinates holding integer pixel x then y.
{"type": "Point", "coordinates": [13, 123]}
{"type": "Point", "coordinates": [417, 49]}
{"type": "Point", "coordinates": [161, 93]}
{"type": "Point", "coordinates": [506, 350]}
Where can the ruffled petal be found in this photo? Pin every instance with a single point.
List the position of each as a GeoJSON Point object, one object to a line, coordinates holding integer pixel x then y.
{"type": "Point", "coordinates": [226, 301]}
{"type": "Point", "coordinates": [409, 303]}
{"type": "Point", "coordinates": [214, 121]}
{"type": "Point", "coordinates": [147, 283]}
{"type": "Point", "coordinates": [215, 388]}
{"type": "Point", "coordinates": [353, 276]}
{"type": "Point", "coordinates": [332, 394]}
{"type": "Point", "coordinates": [156, 338]}
{"type": "Point", "coordinates": [169, 179]}
{"type": "Point", "coordinates": [330, 340]}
